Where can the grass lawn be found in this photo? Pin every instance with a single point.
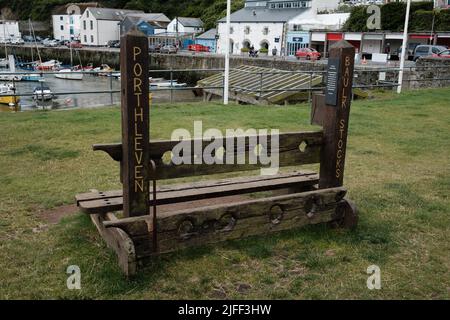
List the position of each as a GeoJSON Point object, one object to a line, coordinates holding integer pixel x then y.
{"type": "Point", "coordinates": [398, 173]}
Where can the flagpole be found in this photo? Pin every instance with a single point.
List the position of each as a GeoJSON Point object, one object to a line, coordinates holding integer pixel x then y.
{"type": "Point", "coordinates": [405, 41]}
{"type": "Point", "coordinates": [227, 56]}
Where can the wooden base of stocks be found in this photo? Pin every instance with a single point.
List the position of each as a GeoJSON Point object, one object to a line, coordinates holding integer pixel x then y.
{"type": "Point", "coordinates": [131, 238]}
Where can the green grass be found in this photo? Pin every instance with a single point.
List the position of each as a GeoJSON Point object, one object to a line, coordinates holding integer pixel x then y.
{"type": "Point", "coordinates": [397, 172]}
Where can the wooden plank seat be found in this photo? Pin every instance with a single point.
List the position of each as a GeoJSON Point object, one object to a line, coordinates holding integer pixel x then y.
{"type": "Point", "coordinates": [109, 201]}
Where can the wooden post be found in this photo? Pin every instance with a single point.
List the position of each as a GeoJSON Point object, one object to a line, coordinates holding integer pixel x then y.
{"type": "Point", "coordinates": [135, 123]}
{"type": "Point", "coordinates": [332, 111]}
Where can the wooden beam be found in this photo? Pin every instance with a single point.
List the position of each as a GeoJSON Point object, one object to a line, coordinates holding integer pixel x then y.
{"type": "Point", "coordinates": [332, 112]}
{"type": "Point", "coordinates": [135, 170]}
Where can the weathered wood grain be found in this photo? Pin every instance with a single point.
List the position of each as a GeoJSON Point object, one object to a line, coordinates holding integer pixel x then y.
{"type": "Point", "coordinates": [101, 202]}
{"type": "Point", "coordinates": [289, 154]}
{"type": "Point", "coordinates": [135, 170]}
{"type": "Point", "coordinates": [119, 241]}
{"type": "Point", "coordinates": [221, 222]}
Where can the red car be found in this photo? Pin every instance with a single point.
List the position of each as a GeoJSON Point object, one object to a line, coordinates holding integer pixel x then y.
{"type": "Point", "coordinates": [75, 44]}
{"type": "Point", "coordinates": [308, 54]}
{"type": "Point", "coordinates": [443, 54]}
{"type": "Point", "coordinates": [198, 48]}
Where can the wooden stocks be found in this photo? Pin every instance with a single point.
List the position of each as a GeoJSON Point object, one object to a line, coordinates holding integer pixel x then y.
{"type": "Point", "coordinates": [135, 123]}
{"type": "Point", "coordinates": [332, 111]}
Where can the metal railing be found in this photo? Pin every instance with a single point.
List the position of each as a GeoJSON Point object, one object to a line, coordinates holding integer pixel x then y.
{"type": "Point", "coordinates": [172, 88]}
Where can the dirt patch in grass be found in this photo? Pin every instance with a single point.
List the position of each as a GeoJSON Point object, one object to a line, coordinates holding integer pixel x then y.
{"type": "Point", "coordinates": [55, 215]}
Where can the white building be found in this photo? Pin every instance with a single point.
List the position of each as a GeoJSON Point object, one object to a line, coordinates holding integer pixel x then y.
{"type": "Point", "coordinates": [277, 24]}
{"type": "Point", "coordinates": [100, 25]}
{"type": "Point", "coordinates": [9, 30]}
{"type": "Point", "coordinates": [186, 25]}
{"type": "Point", "coordinates": [66, 20]}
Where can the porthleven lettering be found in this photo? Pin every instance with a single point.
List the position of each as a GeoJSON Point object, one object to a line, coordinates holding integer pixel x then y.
{"type": "Point", "coordinates": [135, 124]}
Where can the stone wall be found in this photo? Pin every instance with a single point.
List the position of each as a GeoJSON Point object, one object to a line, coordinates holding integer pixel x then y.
{"type": "Point", "coordinates": [431, 73]}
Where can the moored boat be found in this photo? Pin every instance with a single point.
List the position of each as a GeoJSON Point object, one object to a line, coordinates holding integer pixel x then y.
{"type": "Point", "coordinates": [69, 74]}
{"type": "Point", "coordinates": [48, 65]}
{"type": "Point", "coordinates": [42, 93]}
{"type": "Point", "coordinates": [7, 94]}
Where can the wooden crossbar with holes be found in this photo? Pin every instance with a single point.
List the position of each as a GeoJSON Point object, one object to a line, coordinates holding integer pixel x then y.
{"type": "Point", "coordinates": [157, 218]}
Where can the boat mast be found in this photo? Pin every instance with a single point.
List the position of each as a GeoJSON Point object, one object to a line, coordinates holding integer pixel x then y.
{"type": "Point", "coordinates": [31, 35]}
{"type": "Point", "coordinates": [35, 42]}
{"type": "Point", "coordinates": [4, 37]}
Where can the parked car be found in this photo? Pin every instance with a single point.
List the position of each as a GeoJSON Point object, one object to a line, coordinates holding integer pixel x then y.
{"type": "Point", "coordinates": [50, 43]}
{"type": "Point", "coordinates": [427, 50]}
{"type": "Point", "coordinates": [308, 54]}
{"type": "Point", "coordinates": [17, 41]}
{"type": "Point", "coordinates": [198, 48]}
{"type": "Point", "coordinates": [154, 48]}
{"type": "Point", "coordinates": [443, 54]}
{"type": "Point", "coordinates": [169, 49]}
{"type": "Point", "coordinates": [28, 38]}
{"type": "Point", "coordinates": [75, 44]}
{"type": "Point", "coordinates": [63, 42]}
{"type": "Point", "coordinates": [113, 44]}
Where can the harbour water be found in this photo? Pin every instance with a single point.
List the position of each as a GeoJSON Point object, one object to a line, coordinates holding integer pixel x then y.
{"type": "Point", "coordinates": [65, 97]}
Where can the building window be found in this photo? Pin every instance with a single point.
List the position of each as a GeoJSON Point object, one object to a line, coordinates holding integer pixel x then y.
{"type": "Point", "coordinates": [231, 30]}
{"type": "Point", "coordinates": [247, 30]}
{"type": "Point", "coordinates": [61, 27]}
{"type": "Point", "coordinates": [84, 24]}
{"type": "Point", "coordinates": [87, 14]}
{"type": "Point", "coordinates": [85, 38]}
{"type": "Point", "coordinates": [265, 31]}
{"type": "Point", "coordinates": [61, 18]}
{"type": "Point", "coordinates": [92, 39]}
{"type": "Point", "coordinates": [92, 25]}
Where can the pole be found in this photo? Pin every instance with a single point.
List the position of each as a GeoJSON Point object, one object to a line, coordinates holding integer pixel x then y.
{"type": "Point", "coordinates": [405, 41]}
{"type": "Point", "coordinates": [227, 55]}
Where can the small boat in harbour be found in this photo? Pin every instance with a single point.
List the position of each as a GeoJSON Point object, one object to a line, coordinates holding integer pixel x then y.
{"type": "Point", "coordinates": [32, 77]}
{"type": "Point", "coordinates": [103, 71]}
{"type": "Point", "coordinates": [42, 93]}
{"type": "Point", "coordinates": [10, 74]}
{"type": "Point", "coordinates": [48, 65]}
{"type": "Point", "coordinates": [167, 84]}
{"type": "Point", "coordinates": [69, 74]}
{"type": "Point", "coordinates": [7, 92]}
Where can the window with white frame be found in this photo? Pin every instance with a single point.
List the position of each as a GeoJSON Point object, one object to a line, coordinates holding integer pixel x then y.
{"type": "Point", "coordinates": [247, 30]}
{"type": "Point", "coordinates": [231, 30]}
{"type": "Point", "coordinates": [265, 31]}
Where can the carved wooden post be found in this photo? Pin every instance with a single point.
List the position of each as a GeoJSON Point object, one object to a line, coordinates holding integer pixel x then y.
{"type": "Point", "coordinates": [135, 123]}
{"type": "Point", "coordinates": [332, 111]}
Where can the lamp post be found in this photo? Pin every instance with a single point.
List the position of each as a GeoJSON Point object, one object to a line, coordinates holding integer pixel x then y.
{"type": "Point", "coordinates": [227, 55]}
{"type": "Point", "coordinates": [405, 41]}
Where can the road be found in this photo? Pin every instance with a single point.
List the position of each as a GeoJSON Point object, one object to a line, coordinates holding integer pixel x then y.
{"type": "Point", "coordinates": [368, 63]}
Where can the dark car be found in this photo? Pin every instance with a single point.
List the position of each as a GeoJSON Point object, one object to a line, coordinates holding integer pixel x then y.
{"type": "Point", "coordinates": [64, 43]}
{"type": "Point", "coordinates": [154, 48]}
{"type": "Point", "coordinates": [113, 44]}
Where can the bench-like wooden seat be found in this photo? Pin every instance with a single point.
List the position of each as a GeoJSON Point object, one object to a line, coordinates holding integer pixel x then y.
{"type": "Point", "coordinates": [109, 201]}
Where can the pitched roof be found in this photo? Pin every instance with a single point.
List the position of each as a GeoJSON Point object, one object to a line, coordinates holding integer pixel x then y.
{"type": "Point", "coordinates": [111, 14]}
{"type": "Point", "coordinates": [132, 20]}
{"type": "Point", "coordinates": [150, 17]}
{"type": "Point", "coordinates": [264, 15]}
{"type": "Point", "coordinates": [62, 10]}
{"type": "Point", "coordinates": [210, 34]}
{"type": "Point", "coordinates": [190, 22]}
